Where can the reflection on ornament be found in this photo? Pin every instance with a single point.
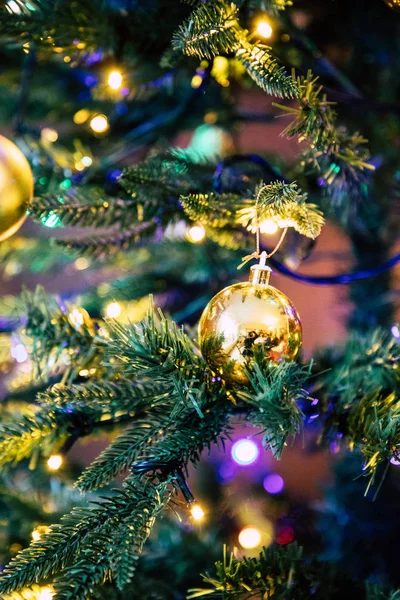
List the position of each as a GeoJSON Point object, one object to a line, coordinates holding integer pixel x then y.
{"type": "Point", "coordinates": [16, 188]}
{"type": "Point", "coordinates": [249, 537]}
{"type": "Point", "coordinates": [197, 512]}
{"type": "Point", "coordinates": [393, 4]}
{"type": "Point", "coordinates": [246, 319]}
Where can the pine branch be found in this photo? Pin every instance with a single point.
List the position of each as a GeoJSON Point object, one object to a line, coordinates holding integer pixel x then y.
{"type": "Point", "coordinates": [282, 573]}
{"type": "Point", "coordinates": [91, 209]}
{"type": "Point", "coordinates": [273, 392]}
{"type": "Point", "coordinates": [211, 29]}
{"type": "Point", "coordinates": [340, 158]}
{"type": "Point", "coordinates": [121, 453]}
{"type": "Point", "coordinates": [265, 70]}
{"type": "Point", "coordinates": [57, 331]}
{"type": "Point", "coordinates": [284, 204]}
{"type": "Point", "coordinates": [65, 542]}
{"type": "Point", "coordinates": [214, 210]}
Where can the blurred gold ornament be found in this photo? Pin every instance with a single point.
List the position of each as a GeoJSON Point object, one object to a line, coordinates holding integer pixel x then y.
{"type": "Point", "coordinates": [247, 317]}
{"type": "Point", "coordinates": [393, 4]}
{"type": "Point", "coordinates": [16, 188]}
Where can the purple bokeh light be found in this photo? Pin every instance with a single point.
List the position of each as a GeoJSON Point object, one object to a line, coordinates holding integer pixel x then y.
{"type": "Point", "coordinates": [273, 483]}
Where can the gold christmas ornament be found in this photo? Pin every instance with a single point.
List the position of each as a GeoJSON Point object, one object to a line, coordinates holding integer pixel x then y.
{"type": "Point", "coordinates": [247, 317]}
{"type": "Point", "coordinates": [16, 188]}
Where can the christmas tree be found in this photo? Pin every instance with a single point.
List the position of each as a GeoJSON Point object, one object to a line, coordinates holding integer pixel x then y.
{"type": "Point", "coordinates": [165, 169]}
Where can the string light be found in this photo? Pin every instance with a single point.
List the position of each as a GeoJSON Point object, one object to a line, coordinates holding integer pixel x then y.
{"type": "Point", "coordinates": [249, 537]}
{"type": "Point", "coordinates": [197, 512]}
{"type": "Point", "coordinates": [268, 226]}
{"type": "Point", "coordinates": [39, 531]}
{"type": "Point", "coordinates": [81, 116]}
{"type": "Point", "coordinates": [196, 233]}
{"type": "Point", "coordinates": [19, 353]}
{"type": "Point", "coordinates": [55, 461]}
{"type": "Point", "coordinates": [113, 310]}
{"type": "Point", "coordinates": [115, 80]}
{"type": "Point", "coordinates": [48, 134]}
{"type": "Point", "coordinates": [46, 593]}
{"type": "Point", "coordinates": [81, 263]}
{"type": "Point", "coordinates": [273, 483]}
{"type": "Point", "coordinates": [196, 82]}
{"type": "Point", "coordinates": [264, 28]}
{"type": "Point", "coordinates": [244, 452]}
{"type": "Point", "coordinates": [99, 124]}
{"type": "Point", "coordinates": [77, 317]}
{"type": "Point", "coordinates": [87, 161]}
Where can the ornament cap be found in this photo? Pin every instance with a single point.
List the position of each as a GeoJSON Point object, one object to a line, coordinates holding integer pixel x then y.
{"type": "Point", "coordinates": [260, 274]}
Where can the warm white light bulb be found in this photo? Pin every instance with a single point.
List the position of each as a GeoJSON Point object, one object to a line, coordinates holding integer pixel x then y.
{"type": "Point", "coordinates": [115, 80]}
{"type": "Point", "coordinates": [197, 512]}
{"type": "Point", "coordinates": [46, 593]}
{"type": "Point", "coordinates": [99, 123]}
{"type": "Point", "coordinates": [196, 233]}
{"type": "Point", "coordinates": [113, 310]}
{"type": "Point", "coordinates": [55, 461]}
{"type": "Point", "coordinates": [268, 226]}
{"type": "Point", "coordinates": [264, 29]}
{"type": "Point", "coordinates": [249, 537]}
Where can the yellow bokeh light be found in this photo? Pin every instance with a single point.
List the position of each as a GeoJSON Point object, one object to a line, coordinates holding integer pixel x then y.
{"type": "Point", "coordinates": [268, 226]}
{"type": "Point", "coordinates": [113, 310]}
{"type": "Point", "coordinates": [46, 593]}
{"type": "Point", "coordinates": [54, 462]}
{"type": "Point", "coordinates": [39, 531]}
{"type": "Point", "coordinates": [48, 134]}
{"type": "Point", "coordinates": [249, 537]}
{"type": "Point", "coordinates": [196, 82]}
{"type": "Point", "coordinates": [196, 233]}
{"type": "Point", "coordinates": [77, 317]}
{"type": "Point", "coordinates": [99, 124]}
{"type": "Point", "coordinates": [115, 80]}
{"type": "Point", "coordinates": [264, 29]}
{"type": "Point", "coordinates": [197, 512]}
{"type": "Point", "coordinates": [81, 116]}
{"type": "Point", "coordinates": [81, 263]}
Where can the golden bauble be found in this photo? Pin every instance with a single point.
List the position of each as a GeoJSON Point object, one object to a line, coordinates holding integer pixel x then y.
{"type": "Point", "coordinates": [16, 187]}
{"type": "Point", "coordinates": [244, 318]}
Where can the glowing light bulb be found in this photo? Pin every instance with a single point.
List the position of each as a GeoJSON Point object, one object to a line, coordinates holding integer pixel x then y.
{"type": "Point", "coordinates": [55, 461]}
{"type": "Point", "coordinates": [77, 317]}
{"type": "Point", "coordinates": [81, 263]}
{"type": "Point", "coordinates": [244, 452]}
{"type": "Point", "coordinates": [196, 233]}
{"type": "Point", "coordinates": [39, 531]}
{"type": "Point", "coordinates": [19, 353]}
{"type": "Point", "coordinates": [115, 80]}
{"type": "Point", "coordinates": [113, 310]}
{"type": "Point", "coordinates": [99, 124]}
{"type": "Point", "coordinates": [48, 134]}
{"type": "Point", "coordinates": [86, 161]}
{"type": "Point", "coordinates": [268, 226]}
{"type": "Point", "coordinates": [395, 331]}
{"type": "Point", "coordinates": [46, 593]}
{"type": "Point", "coordinates": [196, 82]}
{"type": "Point", "coordinates": [273, 483]}
{"type": "Point", "coordinates": [197, 512]}
{"type": "Point", "coordinates": [81, 116]}
{"type": "Point", "coordinates": [249, 537]}
{"type": "Point", "coordinates": [264, 29]}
